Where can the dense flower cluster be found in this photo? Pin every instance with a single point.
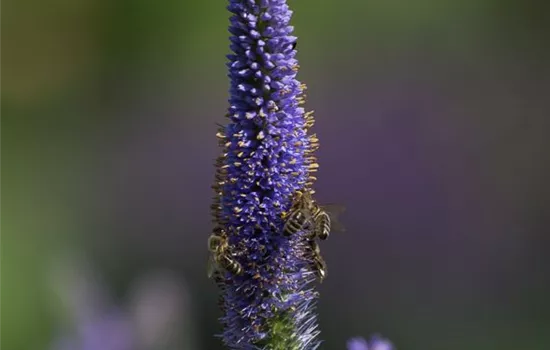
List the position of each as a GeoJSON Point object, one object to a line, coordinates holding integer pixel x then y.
{"type": "Point", "coordinates": [266, 158]}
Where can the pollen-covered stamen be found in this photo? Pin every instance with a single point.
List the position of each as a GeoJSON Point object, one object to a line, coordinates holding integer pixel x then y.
{"type": "Point", "coordinates": [313, 144]}
{"type": "Point", "coordinates": [310, 120]}
{"type": "Point", "coordinates": [313, 167]}
{"type": "Point", "coordinates": [310, 181]}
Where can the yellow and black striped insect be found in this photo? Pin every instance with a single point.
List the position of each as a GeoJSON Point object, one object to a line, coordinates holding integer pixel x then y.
{"type": "Point", "coordinates": [306, 214]}
{"type": "Point", "coordinates": [221, 256]}
{"type": "Point", "coordinates": [300, 216]}
{"type": "Point", "coordinates": [319, 265]}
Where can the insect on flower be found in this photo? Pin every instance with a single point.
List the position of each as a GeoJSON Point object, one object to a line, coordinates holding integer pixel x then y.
{"type": "Point", "coordinates": [306, 214]}
{"type": "Point", "coordinates": [221, 257]}
{"type": "Point", "coordinates": [319, 264]}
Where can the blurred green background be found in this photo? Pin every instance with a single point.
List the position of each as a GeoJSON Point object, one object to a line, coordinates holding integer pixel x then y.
{"type": "Point", "coordinates": [433, 120]}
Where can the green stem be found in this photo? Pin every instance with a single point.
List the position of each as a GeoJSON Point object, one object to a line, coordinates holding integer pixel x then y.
{"type": "Point", "coordinates": [281, 334]}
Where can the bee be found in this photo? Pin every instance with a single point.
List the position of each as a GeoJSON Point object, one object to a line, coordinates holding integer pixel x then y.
{"type": "Point", "coordinates": [307, 214]}
{"type": "Point", "coordinates": [220, 256]}
{"type": "Point", "coordinates": [300, 216]}
{"type": "Point", "coordinates": [319, 265]}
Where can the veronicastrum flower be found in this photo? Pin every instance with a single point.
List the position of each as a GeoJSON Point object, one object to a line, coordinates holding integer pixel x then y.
{"type": "Point", "coordinates": [266, 158]}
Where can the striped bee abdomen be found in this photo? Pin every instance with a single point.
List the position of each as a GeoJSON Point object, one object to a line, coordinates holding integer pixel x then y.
{"type": "Point", "coordinates": [297, 221]}
{"type": "Point", "coordinates": [322, 225]}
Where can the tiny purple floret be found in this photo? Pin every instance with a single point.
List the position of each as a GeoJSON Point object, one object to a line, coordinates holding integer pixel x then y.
{"type": "Point", "coordinates": [375, 343]}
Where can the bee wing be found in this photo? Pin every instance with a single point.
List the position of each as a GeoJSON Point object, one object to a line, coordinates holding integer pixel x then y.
{"type": "Point", "coordinates": [334, 211]}
{"type": "Point", "coordinates": [212, 267]}
{"type": "Point", "coordinates": [337, 226]}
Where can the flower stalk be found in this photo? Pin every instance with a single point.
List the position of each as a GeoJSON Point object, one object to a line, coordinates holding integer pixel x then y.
{"type": "Point", "coordinates": [265, 277]}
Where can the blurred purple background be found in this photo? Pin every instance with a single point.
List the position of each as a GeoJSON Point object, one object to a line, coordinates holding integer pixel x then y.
{"type": "Point", "coordinates": [433, 121]}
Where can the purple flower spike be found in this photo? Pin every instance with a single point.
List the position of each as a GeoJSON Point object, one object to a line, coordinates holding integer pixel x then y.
{"type": "Point", "coordinates": [264, 276]}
